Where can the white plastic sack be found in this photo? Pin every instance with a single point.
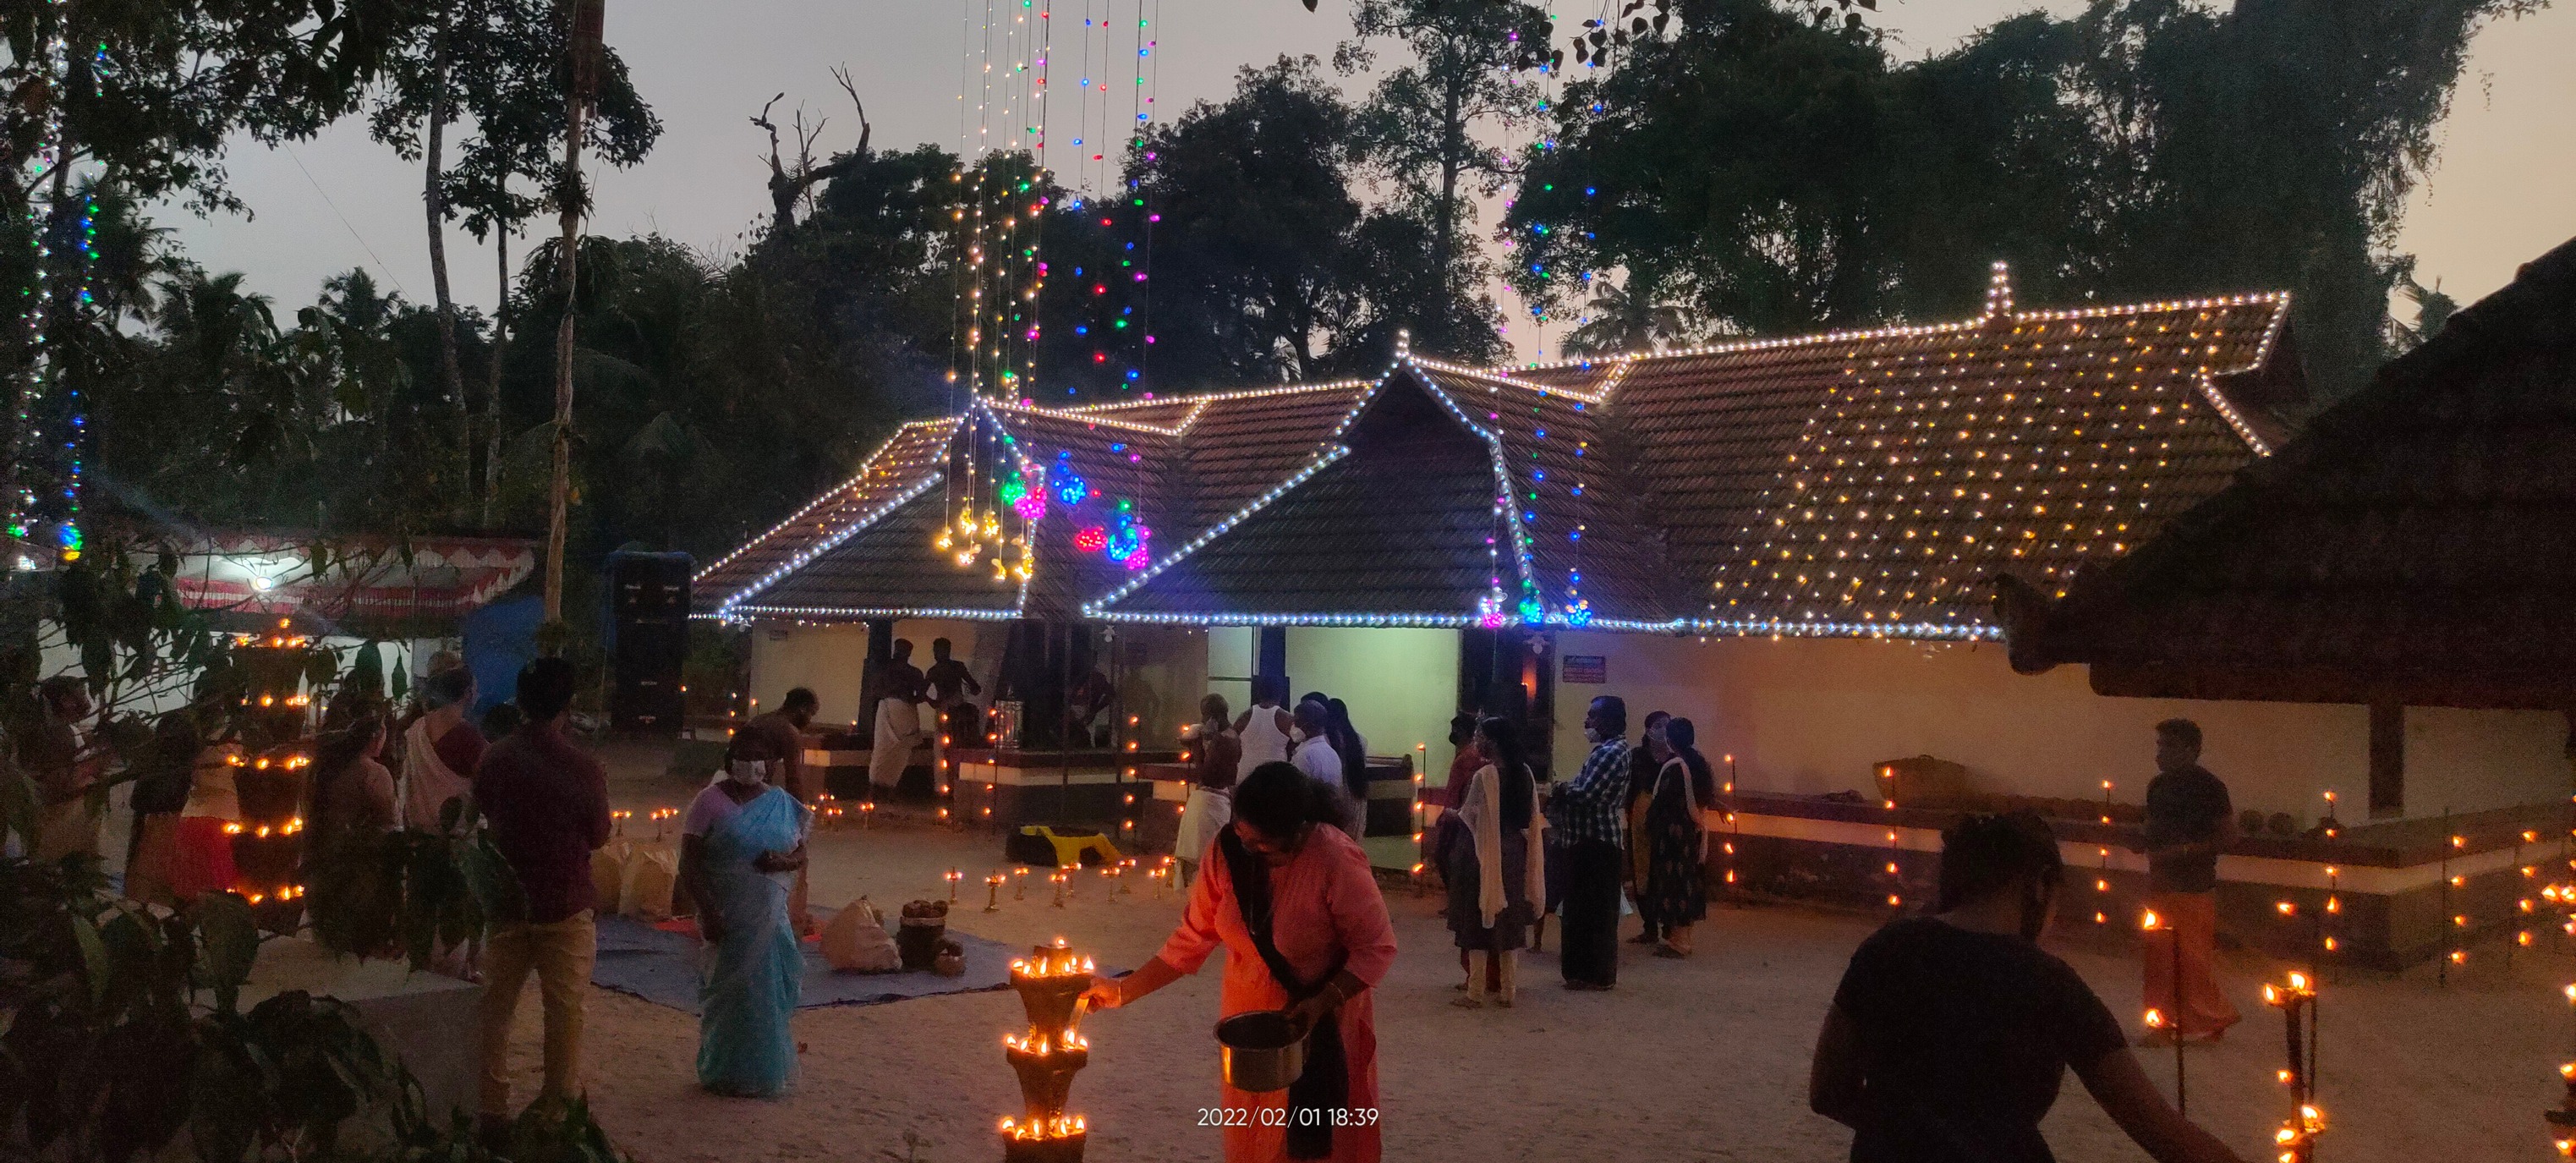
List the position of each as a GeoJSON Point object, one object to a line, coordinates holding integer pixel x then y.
{"type": "Point", "coordinates": [855, 941]}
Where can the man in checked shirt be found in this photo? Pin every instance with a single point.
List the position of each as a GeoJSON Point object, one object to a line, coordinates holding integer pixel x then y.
{"type": "Point", "coordinates": [1589, 814]}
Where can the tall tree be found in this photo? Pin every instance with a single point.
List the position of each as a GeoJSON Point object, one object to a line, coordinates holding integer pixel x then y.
{"type": "Point", "coordinates": [1428, 122]}
{"type": "Point", "coordinates": [1775, 174]}
{"type": "Point", "coordinates": [150, 93]}
{"type": "Point", "coordinates": [495, 65]}
{"type": "Point", "coordinates": [1255, 239]}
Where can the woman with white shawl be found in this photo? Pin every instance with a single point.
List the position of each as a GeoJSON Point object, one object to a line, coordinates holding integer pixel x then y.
{"type": "Point", "coordinates": [1495, 879]}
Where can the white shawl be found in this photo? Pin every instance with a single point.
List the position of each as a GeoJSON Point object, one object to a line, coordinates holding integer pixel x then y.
{"type": "Point", "coordinates": [1483, 814]}
{"type": "Point", "coordinates": [428, 783]}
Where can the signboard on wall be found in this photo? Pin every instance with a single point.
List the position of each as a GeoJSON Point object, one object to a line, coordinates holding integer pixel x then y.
{"type": "Point", "coordinates": [1585, 669]}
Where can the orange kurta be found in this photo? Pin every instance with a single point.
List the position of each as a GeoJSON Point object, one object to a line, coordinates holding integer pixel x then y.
{"type": "Point", "coordinates": [1324, 906]}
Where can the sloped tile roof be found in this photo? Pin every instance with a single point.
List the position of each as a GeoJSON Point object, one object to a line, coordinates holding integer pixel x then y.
{"type": "Point", "coordinates": [1572, 489]}
{"type": "Point", "coordinates": [2414, 544]}
{"type": "Point", "coordinates": [1855, 483]}
{"type": "Point", "coordinates": [909, 459]}
{"type": "Point", "coordinates": [1401, 526]}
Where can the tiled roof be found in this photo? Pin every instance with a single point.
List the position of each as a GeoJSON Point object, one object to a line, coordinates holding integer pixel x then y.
{"type": "Point", "coordinates": [2414, 544]}
{"type": "Point", "coordinates": [908, 460]}
{"type": "Point", "coordinates": [1856, 483]}
{"type": "Point", "coordinates": [1401, 525]}
{"type": "Point", "coordinates": [1846, 483]}
{"type": "Point", "coordinates": [1574, 490]}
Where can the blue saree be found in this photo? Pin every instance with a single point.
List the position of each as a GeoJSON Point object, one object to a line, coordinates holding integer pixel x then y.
{"type": "Point", "coordinates": [744, 1045]}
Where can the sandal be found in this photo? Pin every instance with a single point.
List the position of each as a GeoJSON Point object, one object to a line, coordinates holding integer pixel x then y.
{"type": "Point", "coordinates": [1669, 951]}
{"type": "Point", "coordinates": [1469, 1002]}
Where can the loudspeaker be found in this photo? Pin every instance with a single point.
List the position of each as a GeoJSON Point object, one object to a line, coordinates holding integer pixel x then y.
{"type": "Point", "coordinates": [648, 617]}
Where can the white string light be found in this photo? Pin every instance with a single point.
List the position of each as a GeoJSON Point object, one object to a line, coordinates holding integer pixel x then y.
{"type": "Point", "coordinates": [2042, 396]}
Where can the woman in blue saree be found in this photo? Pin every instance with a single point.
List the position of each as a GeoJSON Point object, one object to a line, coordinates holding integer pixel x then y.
{"type": "Point", "coordinates": [740, 847]}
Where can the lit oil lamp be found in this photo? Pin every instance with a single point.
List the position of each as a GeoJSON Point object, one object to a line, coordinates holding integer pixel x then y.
{"type": "Point", "coordinates": [1050, 982]}
{"type": "Point", "coordinates": [993, 893]}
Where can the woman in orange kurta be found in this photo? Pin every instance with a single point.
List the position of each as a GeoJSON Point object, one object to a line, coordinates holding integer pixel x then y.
{"type": "Point", "coordinates": [1329, 929]}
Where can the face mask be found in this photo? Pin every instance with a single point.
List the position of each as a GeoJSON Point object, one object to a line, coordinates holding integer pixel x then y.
{"type": "Point", "coordinates": [748, 772]}
{"type": "Point", "coordinates": [1592, 735]}
{"type": "Point", "coordinates": [1296, 734]}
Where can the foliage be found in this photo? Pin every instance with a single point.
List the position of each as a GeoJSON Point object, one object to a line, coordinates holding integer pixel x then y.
{"type": "Point", "coordinates": [126, 1039]}
{"type": "Point", "coordinates": [1769, 173]}
{"type": "Point", "coordinates": [410, 892]}
{"type": "Point", "coordinates": [1420, 125]}
{"type": "Point", "coordinates": [155, 90]}
{"type": "Point", "coordinates": [1270, 265]}
{"type": "Point", "coordinates": [126, 1031]}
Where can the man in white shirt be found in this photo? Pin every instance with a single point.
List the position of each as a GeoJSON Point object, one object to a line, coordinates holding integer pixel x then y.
{"type": "Point", "coordinates": [1315, 756]}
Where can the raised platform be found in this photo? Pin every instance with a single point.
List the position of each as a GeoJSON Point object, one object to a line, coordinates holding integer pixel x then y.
{"type": "Point", "coordinates": [423, 1019]}
{"type": "Point", "coordinates": [2389, 880]}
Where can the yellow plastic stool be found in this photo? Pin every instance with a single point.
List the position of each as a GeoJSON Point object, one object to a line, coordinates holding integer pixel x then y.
{"type": "Point", "coordinates": [1069, 849]}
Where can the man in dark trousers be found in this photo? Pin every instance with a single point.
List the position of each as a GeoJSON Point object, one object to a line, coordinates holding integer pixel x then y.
{"type": "Point", "coordinates": [547, 801]}
{"type": "Point", "coordinates": [2188, 822]}
{"type": "Point", "coordinates": [1588, 813]}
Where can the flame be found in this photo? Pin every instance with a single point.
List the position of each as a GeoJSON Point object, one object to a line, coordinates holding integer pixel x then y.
{"type": "Point", "coordinates": [1059, 1127]}
{"type": "Point", "coordinates": [2155, 1019]}
{"type": "Point", "coordinates": [2150, 921]}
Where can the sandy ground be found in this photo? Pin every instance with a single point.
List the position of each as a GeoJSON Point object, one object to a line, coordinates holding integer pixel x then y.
{"type": "Point", "coordinates": [1703, 1059]}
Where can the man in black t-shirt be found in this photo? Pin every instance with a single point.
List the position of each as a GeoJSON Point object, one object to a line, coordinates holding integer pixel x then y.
{"type": "Point", "coordinates": [2187, 824]}
{"type": "Point", "coordinates": [1950, 1034]}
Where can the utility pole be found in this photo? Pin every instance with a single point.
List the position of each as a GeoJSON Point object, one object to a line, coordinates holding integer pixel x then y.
{"type": "Point", "coordinates": [587, 45]}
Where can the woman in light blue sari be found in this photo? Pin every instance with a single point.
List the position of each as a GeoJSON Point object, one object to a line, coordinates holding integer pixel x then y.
{"type": "Point", "coordinates": [740, 847]}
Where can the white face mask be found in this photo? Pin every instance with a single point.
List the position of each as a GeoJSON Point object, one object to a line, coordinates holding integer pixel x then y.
{"type": "Point", "coordinates": [1296, 734]}
{"type": "Point", "coordinates": [1592, 735]}
{"type": "Point", "coordinates": [748, 772]}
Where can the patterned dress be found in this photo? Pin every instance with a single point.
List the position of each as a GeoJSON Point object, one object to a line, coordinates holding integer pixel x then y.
{"type": "Point", "coordinates": [1676, 888]}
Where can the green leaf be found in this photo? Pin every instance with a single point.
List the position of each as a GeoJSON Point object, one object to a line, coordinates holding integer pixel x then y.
{"type": "Point", "coordinates": [95, 966]}
{"type": "Point", "coordinates": [230, 936]}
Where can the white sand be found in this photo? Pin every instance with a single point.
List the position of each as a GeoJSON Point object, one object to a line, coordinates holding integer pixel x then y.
{"type": "Point", "coordinates": [1703, 1059]}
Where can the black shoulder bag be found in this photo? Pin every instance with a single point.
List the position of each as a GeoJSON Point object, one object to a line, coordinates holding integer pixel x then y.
{"type": "Point", "coordinates": [1323, 1089]}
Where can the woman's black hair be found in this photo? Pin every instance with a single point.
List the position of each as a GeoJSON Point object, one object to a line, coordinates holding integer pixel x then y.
{"type": "Point", "coordinates": [1462, 727]}
{"type": "Point", "coordinates": [750, 745]}
{"type": "Point", "coordinates": [349, 727]}
{"type": "Point", "coordinates": [1986, 854]}
{"type": "Point", "coordinates": [1345, 741]}
{"type": "Point", "coordinates": [1279, 801]}
{"type": "Point", "coordinates": [1682, 739]}
{"type": "Point", "coordinates": [1519, 788]}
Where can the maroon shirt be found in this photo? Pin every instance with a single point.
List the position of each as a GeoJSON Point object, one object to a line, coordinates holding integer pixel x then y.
{"type": "Point", "coordinates": [461, 749]}
{"type": "Point", "coordinates": [548, 804]}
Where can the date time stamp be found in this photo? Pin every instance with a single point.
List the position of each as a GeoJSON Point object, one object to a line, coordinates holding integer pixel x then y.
{"type": "Point", "coordinates": [1280, 1116]}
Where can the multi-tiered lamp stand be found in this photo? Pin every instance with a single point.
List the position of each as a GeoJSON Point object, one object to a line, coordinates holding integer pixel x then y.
{"type": "Point", "coordinates": [1050, 982]}
{"type": "Point", "coordinates": [270, 779]}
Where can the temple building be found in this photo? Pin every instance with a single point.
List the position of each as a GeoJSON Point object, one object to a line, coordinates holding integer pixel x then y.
{"type": "Point", "coordinates": [1793, 541]}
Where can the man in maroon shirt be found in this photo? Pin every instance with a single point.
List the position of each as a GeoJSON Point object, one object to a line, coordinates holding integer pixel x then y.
{"type": "Point", "coordinates": [548, 806]}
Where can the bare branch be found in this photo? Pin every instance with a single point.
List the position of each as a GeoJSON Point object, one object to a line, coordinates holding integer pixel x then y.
{"type": "Point", "coordinates": [841, 73]}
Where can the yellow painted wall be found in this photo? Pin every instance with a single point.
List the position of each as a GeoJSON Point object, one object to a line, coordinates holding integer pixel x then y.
{"type": "Point", "coordinates": [1816, 715]}
{"type": "Point", "coordinates": [830, 659]}
{"type": "Point", "coordinates": [1402, 685]}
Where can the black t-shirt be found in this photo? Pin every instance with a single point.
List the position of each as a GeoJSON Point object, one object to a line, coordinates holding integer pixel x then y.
{"type": "Point", "coordinates": [2184, 807]}
{"type": "Point", "coordinates": [1964, 1039]}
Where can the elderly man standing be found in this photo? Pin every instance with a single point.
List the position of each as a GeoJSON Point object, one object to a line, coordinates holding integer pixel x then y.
{"type": "Point", "coordinates": [2187, 824]}
{"type": "Point", "coordinates": [548, 804]}
{"type": "Point", "coordinates": [1589, 812]}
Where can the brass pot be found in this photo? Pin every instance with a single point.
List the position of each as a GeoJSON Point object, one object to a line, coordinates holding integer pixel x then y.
{"type": "Point", "coordinates": [1262, 1051]}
